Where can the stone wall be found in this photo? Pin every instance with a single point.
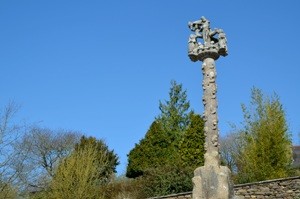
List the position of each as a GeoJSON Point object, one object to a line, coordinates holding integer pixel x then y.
{"type": "Point", "coordinates": [285, 188]}
{"type": "Point", "coordinates": [186, 195]}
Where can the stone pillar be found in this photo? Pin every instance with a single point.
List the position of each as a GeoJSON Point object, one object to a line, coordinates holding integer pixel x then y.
{"type": "Point", "coordinates": [211, 181]}
{"type": "Point", "coordinates": [210, 112]}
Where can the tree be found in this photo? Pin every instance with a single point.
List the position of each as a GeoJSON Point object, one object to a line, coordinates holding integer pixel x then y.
{"type": "Point", "coordinates": [175, 176]}
{"type": "Point", "coordinates": [267, 152]}
{"type": "Point", "coordinates": [160, 145]}
{"type": "Point", "coordinates": [112, 160]}
{"type": "Point", "coordinates": [191, 148]}
{"type": "Point", "coordinates": [156, 159]}
{"type": "Point", "coordinates": [175, 112]}
{"type": "Point", "coordinates": [82, 173]}
{"type": "Point", "coordinates": [230, 149]}
{"type": "Point", "coordinates": [77, 176]}
{"type": "Point", "coordinates": [10, 132]}
{"type": "Point", "coordinates": [42, 149]}
{"type": "Point", "coordinates": [152, 151]}
{"type": "Point", "coordinates": [167, 179]}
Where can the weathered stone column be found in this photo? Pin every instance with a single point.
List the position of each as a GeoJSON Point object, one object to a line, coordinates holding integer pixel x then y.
{"type": "Point", "coordinates": [211, 181]}
{"type": "Point", "coordinates": [210, 112]}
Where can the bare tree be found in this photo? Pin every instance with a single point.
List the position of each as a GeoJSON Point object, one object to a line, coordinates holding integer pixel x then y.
{"type": "Point", "coordinates": [29, 155]}
{"type": "Point", "coordinates": [42, 149]}
{"type": "Point", "coordinates": [10, 132]}
{"type": "Point", "coordinates": [230, 148]}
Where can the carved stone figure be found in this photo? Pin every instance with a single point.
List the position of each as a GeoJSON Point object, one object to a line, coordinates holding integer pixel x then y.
{"type": "Point", "coordinates": [206, 31]}
{"type": "Point", "coordinates": [193, 47]}
{"type": "Point", "coordinates": [196, 26]}
{"type": "Point", "coordinates": [222, 43]}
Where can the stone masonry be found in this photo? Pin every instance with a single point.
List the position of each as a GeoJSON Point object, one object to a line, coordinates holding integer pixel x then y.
{"type": "Point", "coordinates": [285, 188]}
{"type": "Point", "coordinates": [288, 188]}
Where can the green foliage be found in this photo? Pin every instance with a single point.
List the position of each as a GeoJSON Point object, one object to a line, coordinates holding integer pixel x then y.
{"type": "Point", "coordinates": [7, 191]}
{"type": "Point", "coordinates": [168, 179]}
{"type": "Point", "coordinates": [122, 187]}
{"type": "Point", "coordinates": [155, 150]}
{"type": "Point", "coordinates": [164, 160]}
{"type": "Point", "coordinates": [191, 148]}
{"type": "Point", "coordinates": [152, 151]}
{"type": "Point", "coordinates": [267, 153]}
{"type": "Point", "coordinates": [175, 112]}
{"type": "Point", "coordinates": [160, 145]}
{"type": "Point", "coordinates": [101, 148]}
{"type": "Point", "coordinates": [80, 175]}
{"type": "Point", "coordinates": [77, 175]}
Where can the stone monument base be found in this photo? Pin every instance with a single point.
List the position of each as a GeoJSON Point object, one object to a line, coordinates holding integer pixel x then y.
{"type": "Point", "coordinates": [212, 182]}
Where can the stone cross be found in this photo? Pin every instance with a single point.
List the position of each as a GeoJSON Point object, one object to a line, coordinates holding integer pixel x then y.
{"type": "Point", "coordinates": [211, 181]}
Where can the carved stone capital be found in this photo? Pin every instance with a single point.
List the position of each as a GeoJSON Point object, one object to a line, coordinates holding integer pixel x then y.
{"type": "Point", "coordinates": [205, 53]}
{"type": "Point", "coordinates": [212, 46]}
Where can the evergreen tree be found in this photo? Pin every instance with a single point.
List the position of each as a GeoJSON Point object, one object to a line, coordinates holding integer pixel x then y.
{"type": "Point", "coordinates": [267, 153]}
{"type": "Point", "coordinates": [157, 157]}
{"type": "Point", "coordinates": [150, 152]}
{"type": "Point", "coordinates": [175, 112]}
{"type": "Point", "coordinates": [191, 148]}
{"type": "Point", "coordinates": [160, 145]}
{"type": "Point", "coordinates": [167, 179]}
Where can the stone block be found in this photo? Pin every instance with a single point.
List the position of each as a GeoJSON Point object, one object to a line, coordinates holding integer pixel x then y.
{"type": "Point", "coordinates": [212, 182]}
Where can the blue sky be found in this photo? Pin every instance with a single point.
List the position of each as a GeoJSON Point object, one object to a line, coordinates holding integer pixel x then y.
{"type": "Point", "coordinates": [101, 67]}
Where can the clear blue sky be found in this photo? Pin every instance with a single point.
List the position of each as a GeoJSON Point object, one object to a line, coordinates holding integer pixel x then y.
{"type": "Point", "coordinates": [101, 67]}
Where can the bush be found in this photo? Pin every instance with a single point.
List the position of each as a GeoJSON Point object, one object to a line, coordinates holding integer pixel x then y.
{"type": "Point", "coordinates": [7, 191]}
{"type": "Point", "coordinates": [169, 179]}
{"type": "Point", "coordinates": [123, 187]}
